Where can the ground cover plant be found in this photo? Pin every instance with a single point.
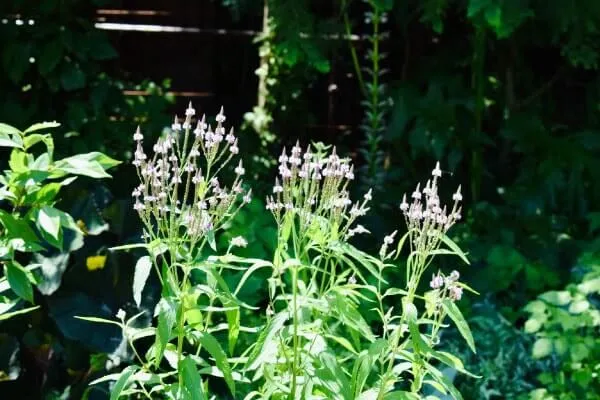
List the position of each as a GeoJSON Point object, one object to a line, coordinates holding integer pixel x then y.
{"type": "Point", "coordinates": [314, 341]}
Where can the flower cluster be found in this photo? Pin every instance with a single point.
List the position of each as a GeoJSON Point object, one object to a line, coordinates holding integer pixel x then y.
{"type": "Point", "coordinates": [426, 217]}
{"type": "Point", "coordinates": [314, 186]}
{"type": "Point", "coordinates": [179, 193]}
{"type": "Point", "coordinates": [447, 285]}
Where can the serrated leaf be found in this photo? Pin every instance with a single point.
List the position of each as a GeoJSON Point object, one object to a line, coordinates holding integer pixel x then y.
{"type": "Point", "coordinates": [141, 274]}
{"type": "Point", "coordinates": [461, 324]}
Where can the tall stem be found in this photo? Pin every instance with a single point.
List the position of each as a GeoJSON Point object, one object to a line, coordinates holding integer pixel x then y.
{"type": "Point", "coordinates": [295, 328]}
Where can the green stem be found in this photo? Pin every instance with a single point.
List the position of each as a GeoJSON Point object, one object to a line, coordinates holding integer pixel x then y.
{"type": "Point", "coordinates": [295, 328]}
{"type": "Point", "coordinates": [355, 62]}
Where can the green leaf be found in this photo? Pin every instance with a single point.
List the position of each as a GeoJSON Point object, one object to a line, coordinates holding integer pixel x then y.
{"type": "Point", "coordinates": [48, 220]}
{"type": "Point", "coordinates": [166, 320]}
{"type": "Point", "coordinates": [419, 345]}
{"type": "Point", "coordinates": [122, 382]}
{"type": "Point", "coordinates": [191, 379]}
{"type": "Point", "coordinates": [7, 140]}
{"type": "Point", "coordinates": [542, 348]}
{"type": "Point", "coordinates": [210, 236]}
{"type": "Point", "coordinates": [18, 279]}
{"type": "Point", "coordinates": [444, 381]}
{"type": "Point", "coordinates": [454, 248]}
{"type": "Point", "coordinates": [78, 166]}
{"type": "Point", "coordinates": [141, 274]}
{"type": "Point", "coordinates": [456, 316]}
{"type": "Point", "coordinates": [332, 378]}
{"type": "Point", "coordinates": [9, 130]}
{"type": "Point", "coordinates": [50, 56]}
{"type": "Point", "coordinates": [532, 325]}
{"type": "Point", "coordinates": [40, 126]}
{"type": "Point", "coordinates": [556, 297]}
{"type": "Point", "coordinates": [452, 361]}
{"type": "Point", "coordinates": [211, 344]}
{"type": "Point", "coordinates": [266, 338]}
{"type": "Point", "coordinates": [72, 78]}
{"type": "Point", "coordinates": [8, 315]}
{"type": "Point", "coordinates": [348, 314]}
{"type": "Point", "coordinates": [363, 365]}
{"type": "Point", "coordinates": [98, 320]}
{"type": "Point", "coordinates": [401, 396]}
{"type": "Point", "coordinates": [233, 322]}
{"type": "Point", "coordinates": [105, 161]}
{"type": "Point", "coordinates": [383, 5]}
{"type": "Point", "coordinates": [589, 286]}
{"type": "Point", "coordinates": [129, 247]}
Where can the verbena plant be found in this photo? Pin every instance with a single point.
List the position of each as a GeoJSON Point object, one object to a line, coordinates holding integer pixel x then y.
{"type": "Point", "coordinates": [29, 221]}
{"type": "Point", "coordinates": [315, 341]}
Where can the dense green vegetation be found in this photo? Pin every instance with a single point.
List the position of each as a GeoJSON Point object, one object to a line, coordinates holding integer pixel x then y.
{"type": "Point", "coordinates": [504, 93]}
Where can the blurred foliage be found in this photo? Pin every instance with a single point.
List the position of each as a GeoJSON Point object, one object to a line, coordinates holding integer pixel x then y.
{"type": "Point", "coordinates": [56, 66]}
{"type": "Point", "coordinates": [503, 358]}
{"type": "Point", "coordinates": [566, 324]}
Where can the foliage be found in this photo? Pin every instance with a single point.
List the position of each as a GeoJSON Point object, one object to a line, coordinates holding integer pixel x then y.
{"type": "Point", "coordinates": [566, 326]}
{"type": "Point", "coordinates": [289, 61]}
{"type": "Point", "coordinates": [37, 238]}
{"type": "Point", "coordinates": [56, 65]}
{"type": "Point", "coordinates": [503, 359]}
{"type": "Point", "coordinates": [32, 223]}
{"type": "Point", "coordinates": [376, 102]}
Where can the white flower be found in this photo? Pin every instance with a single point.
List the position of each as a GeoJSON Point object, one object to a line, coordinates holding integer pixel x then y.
{"type": "Point", "coordinates": [352, 280]}
{"type": "Point", "coordinates": [389, 239]}
{"type": "Point", "coordinates": [239, 170]}
{"type": "Point", "coordinates": [457, 196]}
{"type": "Point", "coordinates": [455, 292]}
{"type": "Point", "coordinates": [404, 204]}
{"type": "Point", "coordinates": [277, 188]}
{"type": "Point", "coordinates": [220, 117]}
{"type": "Point", "coordinates": [190, 110]}
{"type": "Point", "coordinates": [137, 136]}
{"type": "Point", "coordinates": [454, 275]}
{"type": "Point", "coordinates": [436, 282]}
{"type": "Point", "coordinates": [437, 172]}
{"type": "Point", "coordinates": [417, 194]}
{"type": "Point", "coordinates": [121, 314]}
{"type": "Point", "coordinates": [369, 195]}
{"type": "Point", "coordinates": [239, 241]}
{"type": "Point", "coordinates": [176, 126]}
